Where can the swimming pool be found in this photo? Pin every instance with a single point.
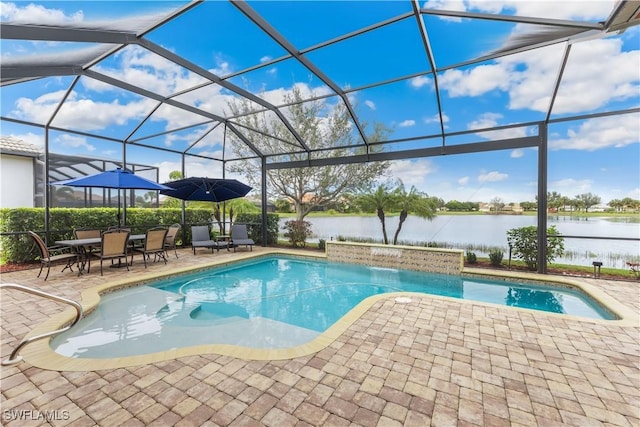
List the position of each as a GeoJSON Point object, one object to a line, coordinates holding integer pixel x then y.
{"type": "Point", "coordinates": [276, 302]}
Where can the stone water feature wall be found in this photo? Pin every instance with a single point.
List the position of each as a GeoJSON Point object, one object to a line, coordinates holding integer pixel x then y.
{"type": "Point", "coordinates": [435, 260]}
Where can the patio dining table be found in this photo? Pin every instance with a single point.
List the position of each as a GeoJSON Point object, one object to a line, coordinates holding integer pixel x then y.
{"type": "Point", "coordinates": [81, 245]}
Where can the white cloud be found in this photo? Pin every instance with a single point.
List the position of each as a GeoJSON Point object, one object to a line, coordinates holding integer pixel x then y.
{"type": "Point", "coordinates": [370, 104]}
{"type": "Point", "coordinates": [571, 187]}
{"type": "Point", "coordinates": [576, 9]}
{"type": "Point", "coordinates": [516, 154]}
{"type": "Point", "coordinates": [436, 118]}
{"type": "Point", "coordinates": [634, 194]}
{"type": "Point", "coordinates": [75, 141]}
{"type": "Point", "coordinates": [588, 84]}
{"type": "Point", "coordinates": [489, 120]}
{"type": "Point", "coordinates": [407, 123]}
{"type": "Point", "coordinates": [454, 5]}
{"type": "Point", "coordinates": [140, 67]}
{"type": "Point", "coordinates": [413, 172]}
{"type": "Point", "coordinates": [464, 180]}
{"type": "Point", "coordinates": [80, 114]}
{"type": "Point", "coordinates": [475, 81]}
{"type": "Point", "coordinates": [492, 176]}
{"type": "Point", "coordinates": [594, 134]}
{"type": "Point", "coordinates": [36, 14]}
{"type": "Point", "coordinates": [528, 77]}
{"type": "Point", "coordinates": [561, 10]}
{"type": "Point", "coordinates": [420, 81]}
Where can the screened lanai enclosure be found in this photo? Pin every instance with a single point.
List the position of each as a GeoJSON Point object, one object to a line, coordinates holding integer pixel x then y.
{"type": "Point", "coordinates": [217, 88]}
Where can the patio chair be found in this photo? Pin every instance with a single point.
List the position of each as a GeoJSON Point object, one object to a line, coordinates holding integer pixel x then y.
{"type": "Point", "coordinates": [170, 240]}
{"type": "Point", "coordinates": [88, 250]}
{"type": "Point", "coordinates": [115, 245]}
{"type": "Point", "coordinates": [240, 237]}
{"type": "Point", "coordinates": [153, 245]}
{"type": "Point", "coordinates": [201, 238]}
{"type": "Point", "coordinates": [48, 255]}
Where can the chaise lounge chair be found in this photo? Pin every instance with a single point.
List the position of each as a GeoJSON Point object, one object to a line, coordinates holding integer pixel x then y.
{"type": "Point", "coordinates": [239, 236]}
{"type": "Point", "coordinates": [201, 238]}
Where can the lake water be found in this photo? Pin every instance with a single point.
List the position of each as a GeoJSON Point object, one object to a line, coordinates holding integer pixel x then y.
{"type": "Point", "coordinates": [462, 231]}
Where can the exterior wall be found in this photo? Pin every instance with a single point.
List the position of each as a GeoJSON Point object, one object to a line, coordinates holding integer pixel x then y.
{"type": "Point", "coordinates": [447, 261]}
{"type": "Point", "coordinates": [16, 181]}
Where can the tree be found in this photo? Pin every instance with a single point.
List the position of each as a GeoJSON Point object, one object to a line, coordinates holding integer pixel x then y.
{"type": "Point", "coordinates": [575, 204]}
{"type": "Point", "coordinates": [322, 127]}
{"type": "Point", "coordinates": [628, 202]}
{"type": "Point", "coordinates": [616, 204]}
{"type": "Point", "coordinates": [588, 200]}
{"type": "Point", "coordinates": [282, 205]}
{"type": "Point", "coordinates": [555, 200]}
{"type": "Point", "coordinates": [378, 201]}
{"type": "Point", "coordinates": [232, 208]}
{"type": "Point", "coordinates": [62, 196]}
{"type": "Point", "coordinates": [172, 202]}
{"type": "Point", "coordinates": [497, 204]}
{"type": "Point", "coordinates": [529, 206]}
{"type": "Point", "coordinates": [411, 202]}
{"type": "Point", "coordinates": [523, 242]}
{"type": "Point", "coordinates": [175, 175]}
{"type": "Point", "coordinates": [438, 202]}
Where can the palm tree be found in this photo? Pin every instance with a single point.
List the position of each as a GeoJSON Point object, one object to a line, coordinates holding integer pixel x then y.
{"type": "Point", "coordinates": [379, 200]}
{"type": "Point", "coordinates": [412, 202]}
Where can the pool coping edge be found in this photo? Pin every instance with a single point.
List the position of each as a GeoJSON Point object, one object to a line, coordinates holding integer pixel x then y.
{"type": "Point", "coordinates": [40, 354]}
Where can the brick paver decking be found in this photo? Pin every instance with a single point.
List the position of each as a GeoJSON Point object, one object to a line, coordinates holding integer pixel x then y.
{"type": "Point", "coordinates": [432, 361]}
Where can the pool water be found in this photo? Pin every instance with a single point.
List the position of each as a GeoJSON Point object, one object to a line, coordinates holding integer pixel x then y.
{"type": "Point", "coordinates": [275, 302]}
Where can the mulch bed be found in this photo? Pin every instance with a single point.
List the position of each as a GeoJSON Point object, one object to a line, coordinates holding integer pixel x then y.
{"type": "Point", "coordinates": [550, 270]}
{"type": "Point", "coordinates": [13, 266]}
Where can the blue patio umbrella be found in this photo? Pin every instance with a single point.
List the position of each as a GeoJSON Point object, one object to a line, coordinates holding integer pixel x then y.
{"type": "Point", "coordinates": [206, 189]}
{"type": "Point", "coordinates": [116, 178]}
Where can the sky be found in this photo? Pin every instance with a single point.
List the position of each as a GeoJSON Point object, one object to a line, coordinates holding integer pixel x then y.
{"type": "Point", "coordinates": [598, 155]}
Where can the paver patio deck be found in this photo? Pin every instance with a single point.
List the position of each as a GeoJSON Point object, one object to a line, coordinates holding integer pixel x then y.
{"type": "Point", "coordinates": [433, 361]}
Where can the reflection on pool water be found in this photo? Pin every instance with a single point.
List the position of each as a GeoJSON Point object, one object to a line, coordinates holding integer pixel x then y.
{"type": "Point", "coordinates": [276, 302]}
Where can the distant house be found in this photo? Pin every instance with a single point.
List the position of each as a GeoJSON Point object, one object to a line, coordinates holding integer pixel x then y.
{"type": "Point", "coordinates": [22, 177]}
{"type": "Point", "coordinates": [485, 207]}
{"type": "Point", "coordinates": [19, 163]}
{"type": "Point", "coordinates": [599, 208]}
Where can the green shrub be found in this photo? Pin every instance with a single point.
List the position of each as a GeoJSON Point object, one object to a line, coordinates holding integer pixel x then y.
{"type": "Point", "coordinates": [523, 242]}
{"type": "Point", "coordinates": [297, 232]}
{"type": "Point", "coordinates": [254, 226]}
{"type": "Point", "coordinates": [496, 255]}
{"type": "Point", "coordinates": [471, 257]}
{"type": "Point", "coordinates": [17, 246]}
{"type": "Point", "coordinates": [322, 244]}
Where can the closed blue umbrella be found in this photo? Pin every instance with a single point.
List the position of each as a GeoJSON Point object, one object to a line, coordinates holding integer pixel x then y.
{"type": "Point", "coordinates": [116, 178]}
{"type": "Point", "coordinates": [206, 189]}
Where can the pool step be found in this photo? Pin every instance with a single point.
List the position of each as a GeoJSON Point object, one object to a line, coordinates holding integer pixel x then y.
{"type": "Point", "coordinates": [181, 312]}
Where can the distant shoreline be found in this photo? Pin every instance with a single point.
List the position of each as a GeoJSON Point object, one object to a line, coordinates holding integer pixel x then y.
{"type": "Point", "coordinates": [445, 213]}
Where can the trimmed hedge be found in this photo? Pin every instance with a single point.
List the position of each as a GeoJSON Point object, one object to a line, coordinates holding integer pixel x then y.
{"type": "Point", "coordinates": [17, 246]}
{"type": "Point", "coordinates": [254, 226]}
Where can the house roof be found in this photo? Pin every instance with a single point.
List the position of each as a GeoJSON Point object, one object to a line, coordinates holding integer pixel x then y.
{"type": "Point", "coordinates": [10, 145]}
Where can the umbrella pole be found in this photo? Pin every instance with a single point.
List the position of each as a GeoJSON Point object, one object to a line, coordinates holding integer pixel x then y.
{"type": "Point", "coordinates": [119, 223]}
